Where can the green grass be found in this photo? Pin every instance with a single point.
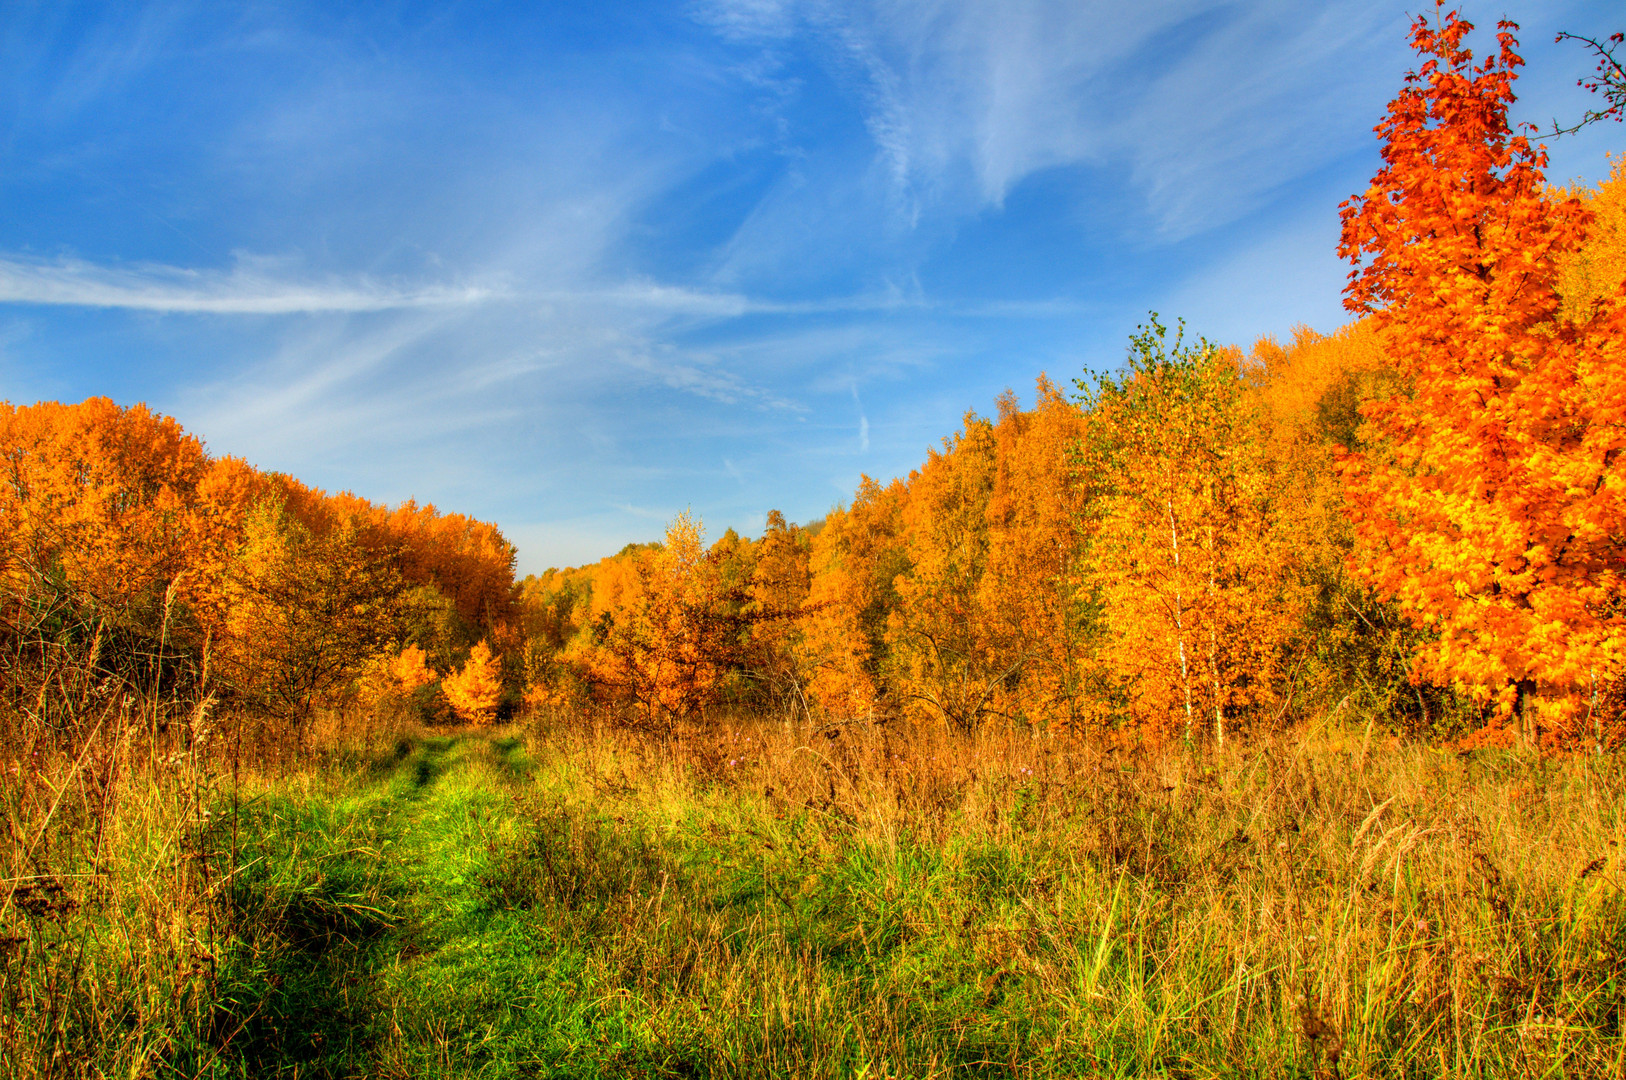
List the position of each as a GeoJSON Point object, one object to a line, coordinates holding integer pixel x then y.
{"type": "Point", "coordinates": [377, 937]}
{"type": "Point", "coordinates": [589, 906]}
{"type": "Point", "coordinates": [764, 901]}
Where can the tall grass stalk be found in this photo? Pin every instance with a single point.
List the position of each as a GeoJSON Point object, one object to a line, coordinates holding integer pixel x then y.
{"type": "Point", "coordinates": [774, 900]}
{"type": "Point", "coordinates": [106, 938]}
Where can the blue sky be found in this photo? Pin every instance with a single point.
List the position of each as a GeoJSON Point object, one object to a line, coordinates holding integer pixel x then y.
{"type": "Point", "coordinates": [575, 267]}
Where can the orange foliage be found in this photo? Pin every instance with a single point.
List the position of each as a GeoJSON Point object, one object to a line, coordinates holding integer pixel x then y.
{"type": "Point", "coordinates": [855, 562]}
{"type": "Point", "coordinates": [475, 689]}
{"type": "Point", "coordinates": [1028, 612]}
{"type": "Point", "coordinates": [1596, 272]}
{"type": "Point", "coordinates": [469, 562]}
{"type": "Point", "coordinates": [110, 497]}
{"type": "Point", "coordinates": [304, 614]}
{"type": "Point", "coordinates": [1314, 386]}
{"type": "Point", "coordinates": [940, 658]}
{"type": "Point", "coordinates": [673, 629]}
{"type": "Point", "coordinates": [410, 671]}
{"type": "Point", "coordinates": [1493, 510]}
{"type": "Point", "coordinates": [1191, 550]}
{"type": "Point", "coordinates": [667, 627]}
{"type": "Point", "coordinates": [292, 591]}
{"type": "Point", "coordinates": [1162, 554]}
{"type": "Point", "coordinates": [986, 623]}
{"type": "Point", "coordinates": [781, 578]}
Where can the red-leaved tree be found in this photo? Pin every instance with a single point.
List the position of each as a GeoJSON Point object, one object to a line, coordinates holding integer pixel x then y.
{"type": "Point", "coordinates": [1493, 509]}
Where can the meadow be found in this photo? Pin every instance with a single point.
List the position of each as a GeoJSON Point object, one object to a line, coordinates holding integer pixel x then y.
{"type": "Point", "coordinates": [769, 898]}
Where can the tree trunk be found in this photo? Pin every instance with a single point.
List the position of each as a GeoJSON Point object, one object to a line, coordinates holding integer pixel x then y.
{"type": "Point", "coordinates": [1179, 619]}
{"type": "Point", "coordinates": [1526, 709]}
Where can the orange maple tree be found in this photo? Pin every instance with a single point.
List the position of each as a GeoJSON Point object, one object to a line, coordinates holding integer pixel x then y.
{"type": "Point", "coordinates": [1494, 511]}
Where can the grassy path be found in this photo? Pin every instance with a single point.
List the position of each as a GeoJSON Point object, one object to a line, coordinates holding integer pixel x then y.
{"type": "Point", "coordinates": [381, 943]}
{"type": "Point", "coordinates": [454, 911]}
{"type": "Point", "coordinates": [757, 909]}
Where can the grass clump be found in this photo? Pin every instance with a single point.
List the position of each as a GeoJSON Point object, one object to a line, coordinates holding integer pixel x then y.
{"type": "Point", "coordinates": [107, 934]}
{"type": "Point", "coordinates": [767, 902]}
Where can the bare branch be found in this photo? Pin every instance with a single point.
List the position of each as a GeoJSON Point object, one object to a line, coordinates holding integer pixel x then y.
{"type": "Point", "coordinates": [1609, 79]}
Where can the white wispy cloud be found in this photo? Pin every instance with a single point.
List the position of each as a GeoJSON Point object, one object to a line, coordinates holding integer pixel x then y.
{"type": "Point", "coordinates": [748, 20]}
{"type": "Point", "coordinates": [113, 53]}
{"type": "Point", "coordinates": [261, 286]}
{"type": "Point", "coordinates": [863, 422]}
{"type": "Point", "coordinates": [554, 285]}
{"type": "Point", "coordinates": [250, 288]}
{"type": "Point", "coordinates": [1208, 104]}
{"type": "Point", "coordinates": [694, 373]}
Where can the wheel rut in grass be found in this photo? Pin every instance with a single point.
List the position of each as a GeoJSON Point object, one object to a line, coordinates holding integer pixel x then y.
{"type": "Point", "coordinates": [367, 940]}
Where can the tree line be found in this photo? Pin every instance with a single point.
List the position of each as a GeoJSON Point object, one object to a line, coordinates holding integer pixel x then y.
{"type": "Point", "coordinates": [1421, 513]}
{"type": "Point", "coordinates": [1418, 517]}
{"type": "Point", "coordinates": [127, 544]}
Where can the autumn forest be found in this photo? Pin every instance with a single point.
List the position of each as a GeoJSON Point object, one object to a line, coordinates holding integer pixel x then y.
{"type": "Point", "coordinates": [1247, 709]}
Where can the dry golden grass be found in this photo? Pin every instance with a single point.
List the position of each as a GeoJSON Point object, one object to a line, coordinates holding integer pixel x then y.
{"type": "Point", "coordinates": [117, 780]}
{"type": "Point", "coordinates": [769, 899]}
{"type": "Point", "coordinates": [106, 938]}
{"type": "Point", "coordinates": [1329, 900]}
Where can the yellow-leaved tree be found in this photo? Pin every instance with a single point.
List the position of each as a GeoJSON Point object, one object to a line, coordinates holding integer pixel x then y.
{"type": "Point", "coordinates": [1189, 549]}
{"type": "Point", "coordinates": [668, 627]}
{"type": "Point", "coordinates": [855, 562]}
{"type": "Point", "coordinates": [411, 671]}
{"type": "Point", "coordinates": [780, 579]}
{"type": "Point", "coordinates": [306, 612]}
{"type": "Point", "coordinates": [942, 666]}
{"type": "Point", "coordinates": [1028, 611]}
{"type": "Point", "coordinates": [475, 689]}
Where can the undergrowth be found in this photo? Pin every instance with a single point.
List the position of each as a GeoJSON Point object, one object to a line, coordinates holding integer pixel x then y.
{"type": "Point", "coordinates": [774, 900]}
{"type": "Point", "coordinates": [770, 901]}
